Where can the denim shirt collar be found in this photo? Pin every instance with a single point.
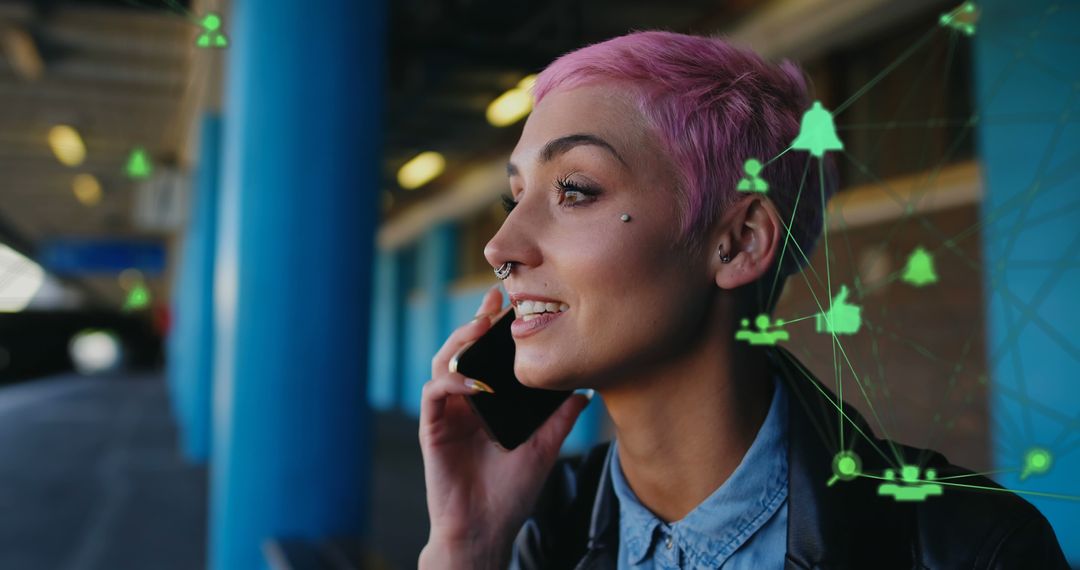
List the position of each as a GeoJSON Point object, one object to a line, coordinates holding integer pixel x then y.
{"type": "Point", "coordinates": [727, 518]}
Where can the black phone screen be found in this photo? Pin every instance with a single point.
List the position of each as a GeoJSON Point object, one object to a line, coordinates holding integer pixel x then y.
{"type": "Point", "coordinates": [514, 411]}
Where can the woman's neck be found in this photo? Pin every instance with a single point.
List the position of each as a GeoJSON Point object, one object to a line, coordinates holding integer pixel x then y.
{"type": "Point", "coordinates": [684, 428]}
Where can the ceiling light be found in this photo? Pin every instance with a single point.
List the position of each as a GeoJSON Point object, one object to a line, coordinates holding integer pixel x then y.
{"type": "Point", "coordinates": [67, 145]}
{"type": "Point", "coordinates": [22, 281]}
{"type": "Point", "coordinates": [420, 170]}
{"type": "Point", "coordinates": [87, 189]}
{"type": "Point", "coordinates": [512, 106]}
{"type": "Point", "coordinates": [23, 53]}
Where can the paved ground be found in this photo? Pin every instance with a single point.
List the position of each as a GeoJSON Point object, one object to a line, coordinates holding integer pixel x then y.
{"type": "Point", "coordinates": [90, 478]}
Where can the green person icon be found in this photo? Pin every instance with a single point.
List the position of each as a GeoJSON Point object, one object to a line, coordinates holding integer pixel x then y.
{"type": "Point", "coordinates": [920, 268]}
{"type": "Point", "coordinates": [841, 318]}
{"type": "Point", "coordinates": [211, 35]}
{"type": "Point", "coordinates": [752, 182]}
{"type": "Point", "coordinates": [817, 133]}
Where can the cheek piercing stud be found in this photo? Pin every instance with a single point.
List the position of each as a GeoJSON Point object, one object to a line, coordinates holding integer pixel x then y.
{"type": "Point", "coordinates": [625, 217]}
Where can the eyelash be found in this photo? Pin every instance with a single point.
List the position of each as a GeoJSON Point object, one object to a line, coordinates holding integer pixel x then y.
{"type": "Point", "coordinates": [561, 185]}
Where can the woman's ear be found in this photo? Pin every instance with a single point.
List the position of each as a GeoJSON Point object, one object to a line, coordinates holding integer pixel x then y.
{"type": "Point", "coordinates": [751, 237]}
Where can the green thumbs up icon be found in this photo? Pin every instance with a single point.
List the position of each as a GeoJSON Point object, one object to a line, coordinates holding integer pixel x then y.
{"type": "Point", "coordinates": [841, 318]}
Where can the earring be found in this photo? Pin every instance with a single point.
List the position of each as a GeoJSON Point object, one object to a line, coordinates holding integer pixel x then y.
{"type": "Point", "coordinates": [625, 217]}
{"type": "Point", "coordinates": [724, 258]}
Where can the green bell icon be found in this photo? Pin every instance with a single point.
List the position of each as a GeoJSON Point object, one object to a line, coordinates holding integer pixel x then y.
{"type": "Point", "coordinates": [920, 268]}
{"type": "Point", "coordinates": [137, 298]}
{"type": "Point", "coordinates": [138, 164]}
{"type": "Point", "coordinates": [817, 133]}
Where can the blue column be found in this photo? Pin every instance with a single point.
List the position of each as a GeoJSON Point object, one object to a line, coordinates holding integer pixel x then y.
{"type": "Point", "coordinates": [428, 314]}
{"type": "Point", "coordinates": [194, 317]}
{"type": "Point", "coordinates": [1027, 94]}
{"type": "Point", "coordinates": [385, 324]}
{"type": "Point", "coordinates": [301, 164]}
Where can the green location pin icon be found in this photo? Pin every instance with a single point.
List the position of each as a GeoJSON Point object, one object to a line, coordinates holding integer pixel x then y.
{"type": "Point", "coordinates": [1036, 462]}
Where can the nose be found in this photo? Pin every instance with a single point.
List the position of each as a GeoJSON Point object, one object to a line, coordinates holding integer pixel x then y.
{"type": "Point", "coordinates": [515, 241]}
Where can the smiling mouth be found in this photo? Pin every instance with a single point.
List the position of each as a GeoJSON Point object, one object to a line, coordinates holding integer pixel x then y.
{"type": "Point", "coordinates": [530, 310]}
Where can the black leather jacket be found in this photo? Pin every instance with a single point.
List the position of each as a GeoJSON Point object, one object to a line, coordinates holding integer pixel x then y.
{"type": "Point", "coordinates": [847, 525]}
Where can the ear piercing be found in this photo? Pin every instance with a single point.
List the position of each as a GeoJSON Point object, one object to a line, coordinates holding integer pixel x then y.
{"type": "Point", "coordinates": [625, 217]}
{"type": "Point", "coordinates": [724, 258]}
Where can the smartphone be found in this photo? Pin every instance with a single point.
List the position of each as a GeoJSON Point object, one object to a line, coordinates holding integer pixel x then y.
{"type": "Point", "coordinates": [514, 411]}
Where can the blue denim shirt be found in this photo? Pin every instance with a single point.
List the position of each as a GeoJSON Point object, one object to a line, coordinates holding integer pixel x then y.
{"type": "Point", "coordinates": [742, 524]}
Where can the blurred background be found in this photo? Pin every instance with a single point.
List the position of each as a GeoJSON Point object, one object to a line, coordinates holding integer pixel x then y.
{"type": "Point", "coordinates": [234, 233]}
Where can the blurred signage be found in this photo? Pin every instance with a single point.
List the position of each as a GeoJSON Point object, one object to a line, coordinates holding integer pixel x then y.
{"type": "Point", "coordinates": [161, 200]}
{"type": "Point", "coordinates": [88, 257]}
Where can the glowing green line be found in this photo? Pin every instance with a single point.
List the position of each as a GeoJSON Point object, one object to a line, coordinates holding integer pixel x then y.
{"type": "Point", "coordinates": [782, 153]}
{"type": "Point", "coordinates": [787, 238]}
{"type": "Point", "coordinates": [828, 289]}
{"type": "Point", "coordinates": [984, 473]}
{"type": "Point", "coordinates": [789, 321]}
{"type": "Point", "coordinates": [984, 488]}
{"type": "Point", "coordinates": [843, 415]}
{"type": "Point", "coordinates": [869, 402]}
{"type": "Point", "coordinates": [885, 72]}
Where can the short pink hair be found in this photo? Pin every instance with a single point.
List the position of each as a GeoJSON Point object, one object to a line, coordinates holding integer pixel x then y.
{"type": "Point", "coordinates": [712, 105]}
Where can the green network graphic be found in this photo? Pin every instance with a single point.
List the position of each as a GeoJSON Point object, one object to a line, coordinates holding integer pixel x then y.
{"type": "Point", "coordinates": [763, 336]}
{"type": "Point", "coordinates": [841, 314]}
{"type": "Point", "coordinates": [1036, 462]}
{"type": "Point", "coordinates": [909, 487]}
{"type": "Point", "coordinates": [818, 132]}
{"type": "Point", "coordinates": [846, 466]}
{"type": "Point", "coordinates": [919, 270]}
{"type": "Point", "coordinates": [137, 298]}
{"type": "Point", "coordinates": [841, 317]}
{"type": "Point", "coordinates": [753, 182]}
{"type": "Point", "coordinates": [962, 19]}
{"type": "Point", "coordinates": [211, 36]}
{"type": "Point", "coordinates": [138, 166]}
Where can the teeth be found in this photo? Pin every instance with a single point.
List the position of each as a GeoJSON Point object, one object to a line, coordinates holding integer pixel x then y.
{"type": "Point", "coordinates": [526, 308]}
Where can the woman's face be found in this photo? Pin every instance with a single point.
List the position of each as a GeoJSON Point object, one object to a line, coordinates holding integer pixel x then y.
{"type": "Point", "coordinates": [634, 300]}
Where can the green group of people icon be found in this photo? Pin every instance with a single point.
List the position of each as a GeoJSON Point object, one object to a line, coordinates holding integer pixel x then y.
{"type": "Point", "coordinates": [909, 488]}
{"type": "Point", "coordinates": [763, 336]}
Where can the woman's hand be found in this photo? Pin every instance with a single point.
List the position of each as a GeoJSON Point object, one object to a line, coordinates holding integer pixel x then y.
{"type": "Point", "coordinates": [478, 495]}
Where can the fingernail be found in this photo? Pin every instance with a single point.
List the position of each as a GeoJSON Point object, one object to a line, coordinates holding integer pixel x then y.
{"type": "Point", "coordinates": [478, 386]}
{"type": "Point", "coordinates": [587, 392]}
{"type": "Point", "coordinates": [481, 316]}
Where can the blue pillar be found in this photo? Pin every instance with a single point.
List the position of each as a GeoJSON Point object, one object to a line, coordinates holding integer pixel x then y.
{"type": "Point", "coordinates": [428, 314]}
{"type": "Point", "coordinates": [1026, 69]}
{"type": "Point", "coordinates": [194, 317]}
{"type": "Point", "coordinates": [385, 326]}
{"type": "Point", "coordinates": [299, 203]}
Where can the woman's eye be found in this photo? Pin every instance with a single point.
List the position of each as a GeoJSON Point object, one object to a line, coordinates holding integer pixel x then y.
{"type": "Point", "coordinates": [508, 203]}
{"type": "Point", "coordinates": [575, 194]}
{"type": "Point", "coordinates": [568, 194]}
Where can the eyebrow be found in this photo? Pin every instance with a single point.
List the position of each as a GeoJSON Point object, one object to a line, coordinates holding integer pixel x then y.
{"type": "Point", "coordinates": [558, 146]}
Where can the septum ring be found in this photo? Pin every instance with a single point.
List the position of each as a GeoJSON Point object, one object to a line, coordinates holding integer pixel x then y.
{"type": "Point", "coordinates": [503, 271]}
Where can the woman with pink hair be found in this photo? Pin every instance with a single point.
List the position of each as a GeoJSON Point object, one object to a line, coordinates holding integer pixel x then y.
{"type": "Point", "coordinates": [624, 214]}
